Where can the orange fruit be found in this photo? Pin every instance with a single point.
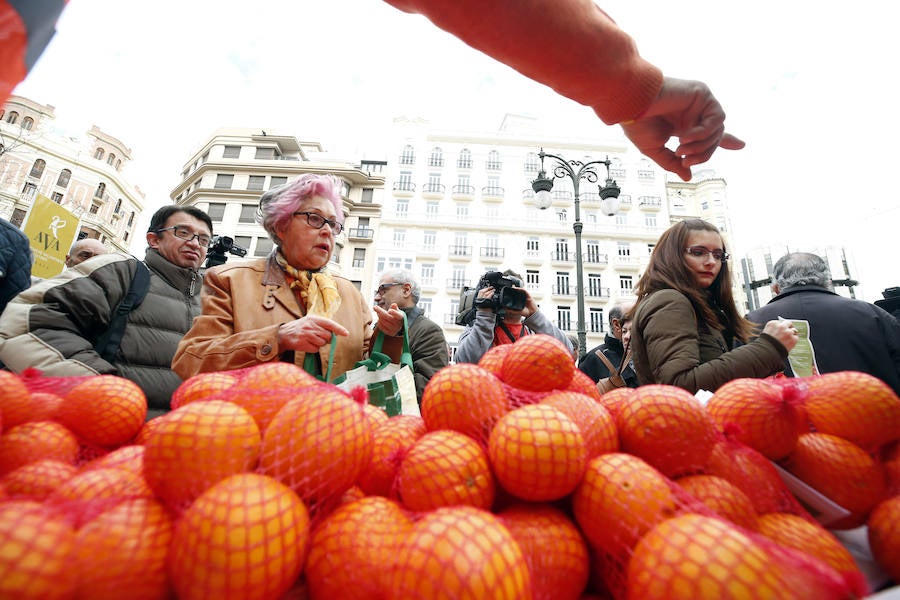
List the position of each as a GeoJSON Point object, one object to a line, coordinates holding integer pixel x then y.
{"type": "Point", "coordinates": [753, 474]}
{"type": "Point", "coordinates": [104, 410]}
{"type": "Point", "coordinates": [133, 540]}
{"type": "Point", "coordinates": [36, 440]}
{"type": "Point", "coordinates": [465, 398]}
{"type": "Point", "coordinates": [37, 480]}
{"type": "Point", "coordinates": [129, 458]}
{"type": "Point", "coordinates": [245, 537]}
{"type": "Point", "coordinates": [538, 363]}
{"type": "Point", "coordinates": [44, 406]}
{"type": "Point", "coordinates": [87, 494]}
{"type": "Point", "coordinates": [583, 384]}
{"type": "Point", "coordinates": [352, 550]}
{"type": "Point", "coordinates": [890, 458]}
{"type": "Point", "coordinates": [376, 415]}
{"type": "Point", "coordinates": [391, 442]}
{"type": "Point", "coordinates": [15, 400]}
{"type": "Point", "coordinates": [840, 470]}
{"type": "Point", "coordinates": [884, 536]}
{"type": "Point", "coordinates": [694, 557]}
{"type": "Point", "coordinates": [445, 468]}
{"type": "Point", "coordinates": [620, 498]}
{"type": "Point", "coordinates": [722, 497]}
{"type": "Point", "coordinates": [813, 539]}
{"type": "Point", "coordinates": [667, 427]}
{"type": "Point", "coordinates": [197, 445]}
{"type": "Point", "coordinates": [265, 389]}
{"type": "Point", "coordinates": [554, 549]}
{"type": "Point", "coordinates": [36, 546]}
{"type": "Point", "coordinates": [855, 406]}
{"type": "Point", "coordinates": [318, 444]}
{"type": "Point", "coordinates": [147, 429]}
{"type": "Point", "coordinates": [614, 399]}
{"type": "Point", "coordinates": [203, 386]}
{"type": "Point", "coordinates": [537, 452]}
{"type": "Point", "coordinates": [460, 552]}
{"type": "Point", "coordinates": [597, 425]}
{"type": "Point", "coordinates": [492, 360]}
{"type": "Point", "coordinates": [765, 416]}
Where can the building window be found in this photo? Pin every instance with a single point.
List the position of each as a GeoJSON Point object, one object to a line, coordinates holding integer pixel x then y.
{"type": "Point", "coordinates": [367, 195]}
{"type": "Point", "coordinates": [402, 208]}
{"type": "Point", "coordinates": [131, 219]}
{"type": "Point", "coordinates": [427, 274]}
{"type": "Point", "coordinates": [532, 245]}
{"type": "Point", "coordinates": [532, 278]}
{"type": "Point", "coordinates": [100, 191]}
{"type": "Point", "coordinates": [624, 248]}
{"type": "Point", "coordinates": [223, 182]}
{"type": "Point", "coordinates": [462, 211]}
{"type": "Point", "coordinates": [437, 158]}
{"type": "Point", "coordinates": [429, 239]}
{"type": "Point", "coordinates": [95, 208]}
{"type": "Point", "coordinates": [98, 153]}
{"type": "Point", "coordinates": [276, 181]}
{"type": "Point", "coordinates": [425, 305]}
{"type": "Point", "coordinates": [562, 249]}
{"type": "Point", "coordinates": [64, 176]}
{"type": "Point", "coordinates": [399, 238]}
{"type": "Point", "coordinates": [118, 207]}
{"type": "Point", "coordinates": [118, 165]}
{"type": "Point", "coordinates": [57, 197]}
{"type": "Point", "coordinates": [216, 211]}
{"type": "Point", "coordinates": [595, 320]}
{"type": "Point", "coordinates": [110, 159]}
{"type": "Point", "coordinates": [267, 154]}
{"type": "Point", "coordinates": [650, 221]}
{"type": "Point", "coordinates": [564, 318]}
{"type": "Point", "coordinates": [594, 288]}
{"type": "Point", "coordinates": [264, 246]}
{"type": "Point", "coordinates": [562, 282]}
{"type": "Point", "coordinates": [17, 217]}
{"type": "Point", "coordinates": [37, 169]}
{"type": "Point", "coordinates": [592, 251]}
{"type": "Point", "coordinates": [458, 277]}
{"type": "Point", "coordinates": [27, 123]}
{"type": "Point", "coordinates": [621, 220]}
{"type": "Point", "coordinates": [532, 163]}
{"type": "Point", "coordinates": [650, 248]}
{"type": "Point", "coordinates": [408, 156]}
{"type": "Point", "coordinates": [431, 209]}
{"type": "Point", "coordinates": [248, 213]}
{"type": "Point", "coordinates": [29, 191]}
{"type": "Point", "coordinates": [231, 152]}
{"type": "Point", "coordinates": [125, 236]}
{"type": "Point", "coordinates": [465, 159]}
{"type": "Point", "coordinates": [493, 161]}
{"type": "Point", "coordinates": [626, 284]}
{"type": "Point", "coordinates": [359, 258]}
{"type": "Point", "coordinates": [12, 118]}
{"type": "Point", "coordinates": [256, 183]}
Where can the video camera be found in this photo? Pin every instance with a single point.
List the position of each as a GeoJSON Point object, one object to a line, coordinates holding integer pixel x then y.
{"type": "Point", "coordinates": [222, 244]}
{"type": "Point", "coordinates": [504, 297]}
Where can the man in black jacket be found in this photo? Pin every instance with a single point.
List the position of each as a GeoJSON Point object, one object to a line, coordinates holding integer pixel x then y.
{"type": "Point", "coordinates": [846, 334]}
{"type": "Point", "coordinates": [612, 348]}
{"type": "Point", "coordinates": [15, 262]}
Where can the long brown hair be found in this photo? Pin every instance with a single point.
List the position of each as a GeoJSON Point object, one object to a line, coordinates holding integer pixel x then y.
{"type": "Point", "coordinates": [668, 270]}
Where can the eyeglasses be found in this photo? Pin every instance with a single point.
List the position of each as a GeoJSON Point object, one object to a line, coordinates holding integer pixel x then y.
{"type": "Point", "coordinates": [318, 221]}
{"type": "Point", "coordinates": [703, 252]}
{"type": "Point", "coordinates": [183, 233]}
{"type": "Point", "coordinates": [384, 287]}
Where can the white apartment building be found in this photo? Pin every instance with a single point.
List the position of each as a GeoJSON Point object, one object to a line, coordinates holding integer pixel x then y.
{"type": "Point", "coordinates": [86, 176]}
{"type": "Point", "coordinates": [461, 203]}
{"type": "Point", "coordinates": [229, 173]}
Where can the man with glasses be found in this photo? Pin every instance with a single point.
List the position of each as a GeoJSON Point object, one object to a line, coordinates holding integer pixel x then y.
{"type": "Point", "coordinates": [59, 325]}
{"type": "Point", "coordinates": [398, 288]}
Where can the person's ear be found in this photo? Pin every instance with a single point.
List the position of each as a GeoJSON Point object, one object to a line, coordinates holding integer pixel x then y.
{"type": "Point", "coordinates": [152, 239]}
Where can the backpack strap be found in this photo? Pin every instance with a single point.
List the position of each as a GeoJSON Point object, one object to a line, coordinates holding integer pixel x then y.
{"type": "Point", "coordinates": [609, 366]}
{"type": "Point", "coordinates": [107, 345]}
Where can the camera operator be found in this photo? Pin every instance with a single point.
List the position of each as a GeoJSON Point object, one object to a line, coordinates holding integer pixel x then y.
{"type": "Point", "coordinates": [494, 325]}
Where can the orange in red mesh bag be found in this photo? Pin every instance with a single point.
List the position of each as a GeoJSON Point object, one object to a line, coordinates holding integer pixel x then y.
{"type": "Point", "coordinates": [89, 493]}
{"type": "Point", "coordinates": [33, 441]}
{"type": "Point", "coordinates": [15, 401]}
{"type": "Point", "coordinates": [353, 549]}
{"type": "Point", "coordinates": [392, 439]}
{"type": "Point", "coordinates": [884, 536]}
{"type": "Point", "coordinates": [318, 443]}
{"type": "Point", "coordinates": [245, 537]}
{"type": "Point", "coordinates": [445, 468]}
{"type": "Point", "coordinates": [123, 551]}
{"type": "Point", "coordinates": [721, 497]}
{"type": "Point", "coordinates": [36, 546]}
{"type": "Point", "coordinates": [192, 448]}
{"type": "Point", "coordinates": [766, 416]}
{"type": "Point", "coordinates": [855, 406]}
{"type": "Point", "coordinates": [554, 549]}
{"type": "Point", "coordinates": [583, 384]}
{"type": "Point", "coordinates": [105, 410]}
{"type": "Point", "coordinates": [667, 427]}
{"type": "Point", "coordinates": [264, 389]}
{"type": "Point", "coordinates": [465, 398]}
{"type": "Point", "coordinates": [492, 360]}
{"type": "Point", "coordinates": [460, 552]}
{"type": "Point", "coordinates": [538, 453]}
{"type": "Point", "coordinates": [37, 480]}
{"type": "Point", "coordinates": [203, 386]}
{"type": "Point", "coordinates": [538, 363]}
{"type": "Point", "coordinates": [596, 423]}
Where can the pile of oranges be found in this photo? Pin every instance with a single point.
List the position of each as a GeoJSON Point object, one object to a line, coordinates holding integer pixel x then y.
{"type": "Point", "coordinates": [519, 480]}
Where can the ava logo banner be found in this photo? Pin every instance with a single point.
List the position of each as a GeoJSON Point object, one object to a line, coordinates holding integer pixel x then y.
{"type": "Point", "coordinates": [51, 229]}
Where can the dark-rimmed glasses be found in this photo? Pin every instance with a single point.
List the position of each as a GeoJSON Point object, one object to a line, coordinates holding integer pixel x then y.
{"type": "Point", "coordinates": [384, 287]}
{"type": "Point", "coordinates": [318, 221]}
{"type": "Point", "coordinates": [703, 252]}
{"type": "Point", "coordinates": [184, 233]}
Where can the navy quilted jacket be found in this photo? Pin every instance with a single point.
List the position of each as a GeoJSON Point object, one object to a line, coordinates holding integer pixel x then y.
{"type": "Point", "coordinates": [15, 262]}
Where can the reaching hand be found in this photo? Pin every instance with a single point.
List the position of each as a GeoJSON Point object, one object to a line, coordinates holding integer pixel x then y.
{"type": "Point", "coordinates": [390, 321]}
{"type": "Point", "coordinates": [686, 110]}
{"type": "Point", "coordinates": [309, 333]}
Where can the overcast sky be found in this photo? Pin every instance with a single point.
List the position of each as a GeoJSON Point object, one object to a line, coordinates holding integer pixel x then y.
{"type": "Point", "coordinates": [811, 89]}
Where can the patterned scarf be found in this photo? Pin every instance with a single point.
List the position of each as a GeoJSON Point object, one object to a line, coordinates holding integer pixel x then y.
{"type": "Point", "coordinates": [318, 291]}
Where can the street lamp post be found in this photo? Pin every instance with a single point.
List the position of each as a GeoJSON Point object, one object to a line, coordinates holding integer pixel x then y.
{"type": "Point", "coordinates": [609, 203]}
